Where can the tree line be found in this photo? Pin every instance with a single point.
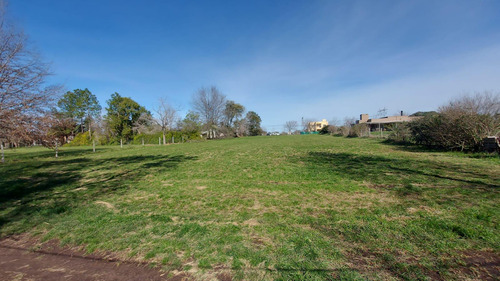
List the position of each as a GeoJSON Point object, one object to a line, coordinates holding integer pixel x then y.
{"type": "Point", "coordinates": [213, 116]}
{"type": "Point", "coordinates": [33, 113]}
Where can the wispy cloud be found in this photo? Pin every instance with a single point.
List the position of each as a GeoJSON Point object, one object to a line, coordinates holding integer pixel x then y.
{"type": "Point", "coordinates": [445, 79]}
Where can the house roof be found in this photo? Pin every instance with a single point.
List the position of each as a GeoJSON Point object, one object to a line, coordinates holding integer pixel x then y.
{"type": "Point", "coordinates": [390, 119]}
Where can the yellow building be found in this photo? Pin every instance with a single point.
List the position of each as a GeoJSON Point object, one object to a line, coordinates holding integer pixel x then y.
{"type": "Point", "coordinates": [316, 126]}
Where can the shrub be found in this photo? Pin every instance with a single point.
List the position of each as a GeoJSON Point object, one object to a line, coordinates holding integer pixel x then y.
{"type": "Point", "coordinates": [358, 130]}
{"type": "Point", "coordinates": [325, 130]}
{"type": "Point", "coordinates": [80, 139]}
{"type": "Point", "coordinates": [460, 125]}
{"type": "Point", "coordinates": [83, 139]}
{"type": "Point", "coordinates": [344, 131]}
{"type": "Point", "coordinates": [400, 132]}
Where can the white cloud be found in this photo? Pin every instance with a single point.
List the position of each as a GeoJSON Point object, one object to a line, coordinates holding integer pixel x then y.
{"type": "Point", "coordinates": [433, 85]}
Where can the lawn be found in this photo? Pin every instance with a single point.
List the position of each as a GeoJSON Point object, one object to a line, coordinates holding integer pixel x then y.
{"type": "Point", "coordinates": [306, 207]}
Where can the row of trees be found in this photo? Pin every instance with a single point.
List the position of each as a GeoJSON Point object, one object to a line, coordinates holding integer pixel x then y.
{"type": "Point", "coordinates": [31, 112]}
{"type": "Point", "coordinates": [78, 117]}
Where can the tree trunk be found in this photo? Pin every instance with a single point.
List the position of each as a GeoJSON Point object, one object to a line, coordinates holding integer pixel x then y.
{"type": "Point", "coordinates": [164, 140]}
{"type": "Point", "coordinates": [3, 159]}
{"type": "Point", "coordinates": [57, 150]}
{"type": "Point", "coordinates": [90, 130]}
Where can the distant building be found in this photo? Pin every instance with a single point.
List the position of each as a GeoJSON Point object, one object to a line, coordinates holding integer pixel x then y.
{"type": "Point", "coordinates": [316, 126]}
{"type": "Point", "coordinates": [379, 123]}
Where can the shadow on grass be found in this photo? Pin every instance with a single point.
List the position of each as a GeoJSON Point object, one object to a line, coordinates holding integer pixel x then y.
{"type": "Point", "coordinates": [410, 147]}
{"type": "Point", "coordinates": [31, 191]}
{"type": "Point", "coordinates": [397, 171]}
{"type": "Point", "coordinates": [22, 154]}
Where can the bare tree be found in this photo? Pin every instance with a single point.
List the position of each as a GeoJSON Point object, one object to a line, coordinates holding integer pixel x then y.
{"type": "Point", "coordinates": [241, 127]}
{"type": "Point", "coordinates": [210, 103]}
{"type": "Point", "coordinates": [291, 126]}
{"type": "Point", "coordinates": [53, 131]}
{"type": "Point", "coordinates": [23, 99]}
{"type": "Point", "coordinates": [334, 126]}
{"type": "Point", "coordinates": [167, 117]}
{"type": "Point", "coordinates": [145, 124]}
{"type": "Point", "coordinates": [469, 119]}
{"type": "Point", "coordinates": [485, 103]}
{"type": "Point", "coordinates": [334, 122]}
{"type": "Point", "coordinates": [348, 123]}
{"type": "Point", "coordinates": [462, 124]}
{"type": "Point", "coordinates": [305, 124]}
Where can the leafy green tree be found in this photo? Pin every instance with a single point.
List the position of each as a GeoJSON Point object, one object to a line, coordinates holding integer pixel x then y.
{"type": "Point", "coordinates": [253, 123]}
{"type": "Point", "coordinates": [232, 112]}
{"type": "Point", "coordinates": [122, 113]}
{"type": "Point", "coordinates": [191, 123]}
{"type": "Point", "coordinates": [81, 105]}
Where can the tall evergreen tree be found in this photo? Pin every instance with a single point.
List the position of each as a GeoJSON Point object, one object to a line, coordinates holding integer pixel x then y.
{"type": "Point", "coordinates": [253, 123]}
{"type": "Point", "coordinates": [81, 105]}
{"type": "Point", "coordinates": [122, 113]}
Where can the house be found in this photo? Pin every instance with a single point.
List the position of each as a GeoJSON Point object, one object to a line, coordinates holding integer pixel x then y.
{"type": "Point", "coordinates": [316, 126]}
{"type": "Point", "coordinates": [380, 123]}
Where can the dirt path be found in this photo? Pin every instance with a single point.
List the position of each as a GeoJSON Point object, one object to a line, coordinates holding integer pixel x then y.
{"type": "Point", "coordinates": [21, 258]}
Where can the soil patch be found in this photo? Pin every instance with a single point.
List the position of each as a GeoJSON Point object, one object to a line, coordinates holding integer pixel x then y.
{"type": "Point", "coordinates": [481, 265]}
{"type": "Point", "coordinates": [24, 258]}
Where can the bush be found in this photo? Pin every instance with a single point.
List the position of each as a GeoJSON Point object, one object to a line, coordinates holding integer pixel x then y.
{"type": "Point", "coordinates": [325, 130]}
{"type": "Point", "coordinates": [460, 125]}
{"type": "Point", "coordinates": [358, 130]}
{"type": "Point", "coordinates": [344, 131]}
{"type": "Point", "coordinates": [400, 132]}
{"type": "Point", "coordinates": [80, 139]}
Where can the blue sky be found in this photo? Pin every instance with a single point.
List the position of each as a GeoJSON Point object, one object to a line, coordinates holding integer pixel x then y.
{"type": "Point", "coordinates": [283, 59]}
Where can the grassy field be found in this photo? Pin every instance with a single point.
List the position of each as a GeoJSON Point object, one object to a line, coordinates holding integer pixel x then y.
{"type": "Point", "coordinates": [288, 207]}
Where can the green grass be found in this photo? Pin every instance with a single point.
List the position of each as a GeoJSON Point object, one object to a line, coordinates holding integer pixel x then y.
{"type": "Point", "coordinates": [284, 208]}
